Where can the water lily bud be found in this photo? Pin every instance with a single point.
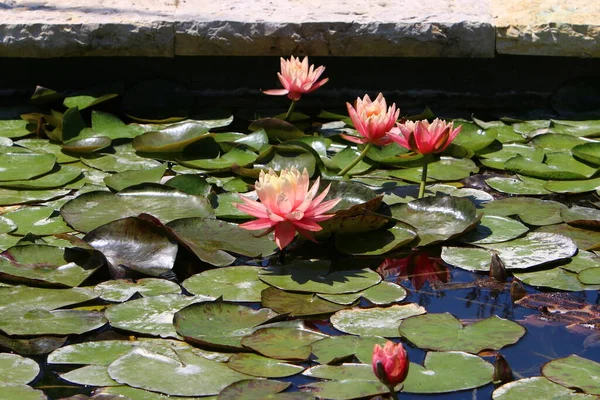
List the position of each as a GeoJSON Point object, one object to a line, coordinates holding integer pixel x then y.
{"type": "Point", "coordinates": [390, 363]}
{"type": "Point", "coordinates": [502, 371]}
{"type": "Point", "coordinates": [497, 269]}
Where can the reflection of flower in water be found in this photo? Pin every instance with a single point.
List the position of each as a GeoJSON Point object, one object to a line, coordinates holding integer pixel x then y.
{"type": "Point", "coordinates": [418, 268]}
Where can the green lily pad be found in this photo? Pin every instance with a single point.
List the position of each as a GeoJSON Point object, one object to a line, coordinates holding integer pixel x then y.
{"type": "Point", "coordinates": [140, 367]}
{"type": "Point", "coordinates": [448, 372]}
{"type": "Point", "coordinates": [18, 165]}
{"type": "Point", "coordinates": [443, 332]}
{"type": "Point", "coordinates": [171, 139]}
{"type": "Point", "coordinates": [335, 348]}
{"type": "Point", "coordinates": [140, 394]}
{"type": "Point", "coordinates": [121, 290]}
{"type": "Point", "coordinates": [451, 169]}
{"type": "Point", "coordinates": [150, 315]}
{"type": "Point", "coordinates": [281, 161]}
{"type": "Point", "coordinates": [377, 242]}
{"type": "Point", "coordinates": [11, 197]}
{"type": "Point", "coordinates": [260, 389]}
{"type": "Point", "coordinates": [57, 322]}
{"type": "Point", "coordinates": [589, 152]}
{"type": "Point", "coordinates": [522, 185]}
{"type": "Point", "coordinates": [13, 128]}
{"type": "Point", "coordinates": [536, 248]}
{"type": "Point", "coordinates": [555, 278]}
{"type": "Point", "coordinates": [125, 179]}
{"type": "Point", "coordinates": [537, 387]}
{"type": "Point", "coordinates": [123, 159]}
{"type": "Point", "coordinates": [345, 157]}
{"type": "Point", "coordinates": [506, 134]}
{"type": "Point", "coordinates": [135, 244]}
{"type": "Point", "coordinates": [191, 184]}
{"type": "Point", "coordinates": [472, 137]}
{"type": "Point", "coordinates": [38, 220]}
{"type": "Point", "coordinates": [235, 156]}
{"type": "Point", "coordinates": [376, 321]}
{"type": "Point", "coordinates": [574, 372]}
{"type": "Point", "coordinates": [297, 304]}
{"type": "Point", "coordinates": [239, 283]}
{"type": "Point", "coordinates": [494, 229]}
{"type": "Point", "coordinates": [34, 346]}
{"type": "Point", "coordinates": [16, 369]}
{"type": "Point", "coordinates": [85, 101]}
{"type": "Point", "coordinates": [85, 145]}
{"type": "Point", "coordinates": [44, 146]}
{"type": "Point", "coordinates": [437, 219]}
{"type": "Point", "coordinates": [283, 343]}
{"type": "Point", "coordinates": [590, 276]}
{"type": "Point", "coordinates": [220, 324]}
{"type": "Point", "coordinates": [581, 216]}
{"type": "Point", "coordinates": [557, 141]}
{"type": "Point", "coordinates": [525, 166]}
{"type": "Point", "coordinates": [111, 126]}
{"type": "Point", "coordinates": [21, 299]}
{"type": "Point", "coordinates": [314, 277]}
{"type": "Point", "coordinates": [586, 239]}
{"type": "Point", "coordinates": [496, 158]}
{"type": "Point", "coordinates": [209, 239]}
{"type": "Point", "coordinates": [10, 391]}
{"type": "Point", "coordinates": [58, 177]}
{"type": "Point", "coordinates": [90, 375]}
{"type": "Point", "coordinates": [576, 128]}
{"type": "Point", "coordinates": [7, 225]}
{"type": "Point", "coordinates": [92, 209]}
{"type": "Point", "coordinates": [48, 264]}
{"type": "Point", "coordinates": [531, 211]}
{"type": "Point", "coordinates": [255, 365]}
{"type": "Point", "coordinates": [105, 352]}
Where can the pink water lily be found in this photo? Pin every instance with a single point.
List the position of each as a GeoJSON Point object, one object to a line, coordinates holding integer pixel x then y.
{"type": "Point", "coordinates": [287, 205]}
{"type": "Point", "coordinates": [423, 137]}
{"type": "Point", "coordinates": [297, 78]}
{"type": "Point", "coordinates": [390, 364]}
{"type": "Point", "coordinates": [372, 119]}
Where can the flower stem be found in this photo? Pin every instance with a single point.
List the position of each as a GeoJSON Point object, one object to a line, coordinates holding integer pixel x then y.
{"type": "Point", "coordinates": [289, 111]}
{"type": "Point", "coordinates": [393, 392]}
{"type": "Point", "coordinates": [356, 160]}
{"type": "Point", "coordinates": [423, 180]}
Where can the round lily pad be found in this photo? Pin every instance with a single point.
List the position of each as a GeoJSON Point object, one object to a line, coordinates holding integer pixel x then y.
{"type": "Point", "coordinates": [297, 304]}
{"type": "Point", "coordinates": [172, 139]}
{"type": "Point", "coordinates": [589, 152]}
{"type": "Point", "coordinates": [494, 229]}
{"type": "Point", "coordinates": [283, 343]}
{"type": "Point", "coordinates": [140, 368]}
{"type": "Point", "coordinates": [7, 225]}
{"type": "Point", "coordinates": [377, 242]}
{"type": "Point", "coordinates": [590, 276]}
{"type": "Point", "coordinates": [443, 332]}
{"type": "Point", "coordinates": [574, 372]}
{"type": "Point", "coordinates": [314, 277]}
{"type": "Point", "coordinates": [37, 220]}
{"type": "Point", "coordinates": [437, 219]}
{"type": "Point", "coordinates": [21, 299]}
{"type": "Point", "coordinates": [376, 321]}
{"type": "Point", "coordinates": [57, 322]}
{"type": "Point", "coordinates": [122, 180]}
{"type": "Point", "coordinates": [92, 209]}
{"type": "Point", "coordinates": [220, 324]}
{"type": "Point", "coordinates": [238, 283]}
{"type": "Point", "coordinates": [150, 315]}
{"type": "Point", "coordinates": [261, 389]}
{"type": "Point", "coordinates": [581, 216]}
{"type": "Point", "coordinates": [537, 387]}
{"type": "Point", "coordinates": [90, 375]}
{"type": "Point", "coordinates": [335, 348]}
{"type": "Point", "coordinates": [17, 165]}
{"type": "Point", "coordinates": [58, 177]}
{"type": "Point", "coordinates": [522, 185]}
{"type": "Point", "coordinates": [531, 211]}
{"type": "Point", "coordinates": [16, 369]}
{"type": "Point", "coordinates": [11, 391]}
{"type": "Point", "coordinates": [556, 278]}
{"type": "Point", "coordinates": [255, 365]}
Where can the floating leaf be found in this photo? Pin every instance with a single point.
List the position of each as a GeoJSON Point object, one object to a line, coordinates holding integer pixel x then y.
{"type": "Point", "coordinates": [90, 375]}
{"type": "Point", "coordinates": [239, 283]}
{"type": "Point", "coordinates": [375, 321]}
{"type": "Point", "coordinates": [377, 242]}
{"type": "Point", "coordinates": [18, 165]}
{"type": "Point", "coordinates": [58, 177]}
{"type": "Point", "coordinates": [20, 299]}
{"type": "Point", "coordinates": [522, 185]}
{"type": "Point", "coordinates": [111, 126]}
{"type": "Point", "coordinates": [537, 387]}
{"type": "Point", "coordinates": [92, 209]}
{"type": "Point", "coordinates": [494, 229]}
{"type": "Point", "coordinates": [57, 322]}
{"type": "Point", "coordinates": [334, 348]}
{"type": "Point", "coordinates": [121, 290]}
{"type": "Point", "coordinates": [255, 365]}
{"type": "Point", "coordinates": [556, 278]}
{"type": "Point", "coordinates": [443, 332]}
{"type": "Point", "coordinates": [259, 389]}
{"type": "Point", "coordinates": [277, 129]}
{"type": "Point", "coordinates": [16, 369]}
{"type": "Point", "coordinates": [282, 343]}
{"type": "Point", "coordinates": [38, 220]}
{"type": "Point", "coordinates": [574, 372]}
{"type": "Point", "coordinates": [531, 211]}
{"type": "Point", "coordinates": [297, 304]}
{"type": "Point", "coordinates": [10, 391]}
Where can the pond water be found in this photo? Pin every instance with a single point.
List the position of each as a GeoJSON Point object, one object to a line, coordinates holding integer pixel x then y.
{"type": "Point", "coordinates": [124, 269]}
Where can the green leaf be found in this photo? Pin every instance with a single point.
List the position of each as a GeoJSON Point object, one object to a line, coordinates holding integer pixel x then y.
{"type": "Point", "coordinates": [334, 348]}
{"type": "Point", "coordinates": [537, 387]}
{"type": "Point", "coordinates": [125, 179]}
{"type": "Point", "coordinates": [239, 283]}
{"type": "Point", "coordinates": [297, 304]}
{"type": "Point", "coordinates": [443, 332]}
{"type": "Point", "coordinates": [121, 290]}
{"type": "Point", "coordinates": [283, 343]}
{"type": "Point", "coordinates": [20, 165]}
{"type": "Point", "coordinates": [16, 369]}
{"type": "Point", "coordinates": [377, 242]}
{"type": "Point", "coordinates": [575, 372]}
{"type": "Point", "coordinates": [377, 321]}
{"type": "Point", "coordinates": [255, 365]}
{"type": "Point", "coordinates": [276, 129]}
{"type": "Point", "coordinates": [494, 229]}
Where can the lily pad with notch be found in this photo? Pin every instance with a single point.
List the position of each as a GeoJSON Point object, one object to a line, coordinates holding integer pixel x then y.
{"type": "Point", "coordinates": [375, 321]}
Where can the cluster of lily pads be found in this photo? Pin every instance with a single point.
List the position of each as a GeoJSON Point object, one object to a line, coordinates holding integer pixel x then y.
{"type": "Point", "coordinates": [131, 229]}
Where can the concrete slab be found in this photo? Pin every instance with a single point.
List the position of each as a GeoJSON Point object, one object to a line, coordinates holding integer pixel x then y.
{"type": "Point", "coordinates": [64, 28]}
{"type": "Point", "coordinates": [548, 27]}
{"type": "Point", "coordinates": [407, 28]}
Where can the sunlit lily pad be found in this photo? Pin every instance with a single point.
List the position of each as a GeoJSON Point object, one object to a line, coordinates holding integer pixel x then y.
{"type": "Point", "coordinates": [90, 375]}
{"type": "Point", "coordinates": [20, 299]}
{"type": "Point", "coordinates": [140, 394]}
{"type": "Point", "coordinates": [283, 343]}
{"type": "Point", "coordinates": [125, 179]}
{"type": "Point", "coordinates": [537, 387]}
{"type": "Point", "coordinates": [111, 126]}
{"type": "Point", "coordinates": [555, 278]}
{"type": "Point", "coordinates": [383, 293]}
{"type": "Point", "coordinates": [13, 196]}
{"type": "Point", "coordinates": [92, 209]}
{"type": "Point", "coordinates": [210, 238]}
{"type": "Point", "coordinates": [49, 264]}
{"type": "Point", "coordinates": [13, 128]}
{"type": "Point", "coordinates": [590, 276]}
{"type": "Point", "coordinates": [530, 210]}
{"type": "Point", "coordinates": [121, 290]}
{"type": "Point", "coordinates": [235, 156]}
{"type": "Point", "coordinates": [451, 169]}
{"type": "Point", "coordinates": [522, 185]}
{"type": "Point", "coordinates": [581, 216]}
{"type": "Point", "coordinates": [589, 152]}
{"type": "Point", "coordinates": [34, 346]}
{"type": "Point", "coordinates": [173, 138]}
{"type": "Point", "coordinates": [260, 389]}
{"type": "Point", "coordinates": [314, 277]}
{"type": "Point", "coordinates": [7, 225]}
{"type": "Point", "coordinates": [255, 365]}
{"type": "Point", "coordinates": [135, 244]}
{"type": "Point", "coordinates": [220, 324]}
{"type": "Point", "coordinates": [586, 239]}
{"type": "Point", "coordinates": [443, 332]}
{"type": "Point", "coordinates": [123, 159]}
{"type": "Point", "coordinates": [239, 283]}
{"type": "Point", "coordinates": [561, 166]}
{"type": "Point", "coordinates": [57, 322]}
{"type": "Point", "coordinates": [58, 177]}
{"type": "Point", "coordinates": [85, 145]}
{"type": "Point", "coordinates": [10, 391]}
{"type": "Point", "coordinates": [494, 229]}
{"type": "Point", "coordinates": [16, 369]}
{"type": "Point", "coordinates": [150, 315]}
{"type": "Point", "coordinates": [579, 186]}
{"type": "Point", "coordinates": [574, 372]}
{"type": "Point", "coordinates": [335, 348]}
{"type": "Point", "coordinates": [24, 165]}
{"type": "Point", "coordinates": [297, 304]}
{"type": "Point", "coordinates": [444, 372]}
{"type": "Point", "coordinates": [377, 321]}
{"type": "Point", "coordinates": [38, 220]}
{"type": "Point", "coordinates": [437, 219]}
{"type": "Point", "coordinates": [472, 137]}
{"type": "Point", "coordinates": [140, 367]}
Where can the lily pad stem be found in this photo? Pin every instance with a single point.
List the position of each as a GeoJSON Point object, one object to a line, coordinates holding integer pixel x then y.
{"type": "Point", "coordinates": [356, 160]}
{"type": "Point", "coordinates": [289, 111]}
{"type": "Point", "coordinates": [393, 392]}
{"type": "Point", "coordinates": [423, 180]}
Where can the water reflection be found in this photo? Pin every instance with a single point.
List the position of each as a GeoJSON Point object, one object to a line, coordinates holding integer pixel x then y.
{"type": "Point", "coordinates": [418, 268]}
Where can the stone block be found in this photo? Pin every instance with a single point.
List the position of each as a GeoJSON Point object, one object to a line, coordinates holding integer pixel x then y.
{"type": "Point", "coordinates": [568, 28]}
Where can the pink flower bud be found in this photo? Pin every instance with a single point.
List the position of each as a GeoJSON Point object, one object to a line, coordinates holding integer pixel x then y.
{"type": "Point", "coordinates": [390, 363]}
